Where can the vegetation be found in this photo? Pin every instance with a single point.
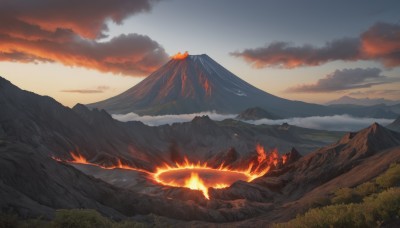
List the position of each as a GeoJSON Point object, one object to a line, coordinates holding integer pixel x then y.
{"type": "Point", "coordinates": [71, 218]}
{"type": "Point", "coordinates": [370, 204]}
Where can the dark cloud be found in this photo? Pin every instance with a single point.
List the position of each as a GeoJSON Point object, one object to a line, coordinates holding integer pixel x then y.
{"type": "Point", "coordinates": [381, 42]}
{"type": "Point", "coordinates": [15, 56]}
{"type": "Point", "coordinates": [64, 31]}
{"type": "Point", "coordinates": [344, 80]}
{"type": "Point", "coordinates": [99, 89]}
{"type": "Point", "coordinates": [285, 55]}
{"type": "Point", "coordinates": [383, 92]}
{"type": "Point", "coordinates": [85, 17]}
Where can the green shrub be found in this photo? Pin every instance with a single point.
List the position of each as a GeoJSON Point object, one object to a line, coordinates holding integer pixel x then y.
{"type": "Point", "coordinates": [345, 195]}
{"type": "Point", "coordinates": [83, 218]}
{"type": "Point", "coordinates": [128, 224]}
{"type": "Point", "coordinates": [366, 189]}
{"type": "Point", "coordinates": [383, 206]}
{"type": "Point", "coordinates": [376, 210]}
{"type": "Point", "coordinates": [34, 223]}
{"type": "Point", "coordinates": [8, 220]}
{"type": "Point", "coordinates": [390, 178]}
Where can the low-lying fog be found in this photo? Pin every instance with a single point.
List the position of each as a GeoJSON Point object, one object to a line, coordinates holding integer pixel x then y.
{"type": "Point", "coordinates": [333, 123]}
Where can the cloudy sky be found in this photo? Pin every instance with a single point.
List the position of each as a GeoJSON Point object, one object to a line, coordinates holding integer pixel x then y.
{"type": "Point", "coordinates": [314, 50]}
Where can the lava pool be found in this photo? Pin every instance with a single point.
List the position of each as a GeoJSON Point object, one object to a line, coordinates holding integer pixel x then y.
{"type": "Point", "coordinates": [200, 178]}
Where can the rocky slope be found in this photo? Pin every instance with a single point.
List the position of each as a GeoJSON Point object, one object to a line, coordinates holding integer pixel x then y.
{"type": "Point", "coordinates": [34, 128]}
{"type": "Point", "coordinates": [395, 126]}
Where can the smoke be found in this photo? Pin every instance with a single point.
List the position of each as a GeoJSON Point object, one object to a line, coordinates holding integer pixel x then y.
{"type": "Point", "coordinates": [331, 123]}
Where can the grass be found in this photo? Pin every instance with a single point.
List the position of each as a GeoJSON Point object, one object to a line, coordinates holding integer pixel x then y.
{"type": "Point", "coordinates": [371, 204]}
{"type": "Point", "coordinates": [68, 218]}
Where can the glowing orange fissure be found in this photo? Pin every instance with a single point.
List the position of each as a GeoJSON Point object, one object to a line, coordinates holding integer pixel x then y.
{"type": "Point", "coordinates": [200, 176]}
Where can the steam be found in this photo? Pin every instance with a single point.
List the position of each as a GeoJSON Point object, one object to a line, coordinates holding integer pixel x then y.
{"type": "Point", "coordinates": [331, 123]}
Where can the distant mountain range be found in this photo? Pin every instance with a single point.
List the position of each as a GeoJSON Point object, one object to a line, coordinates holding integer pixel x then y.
{"type": "Point", "coordinates": [362, 101]}
{"type": "Point", "coordinates": [395, 126]}
{"type": "Point", "coordinates": [256, 113]}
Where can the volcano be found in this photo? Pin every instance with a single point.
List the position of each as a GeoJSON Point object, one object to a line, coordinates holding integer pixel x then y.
{"type": "Point", "coordinates": [197, 173]}
{"type": "Point", "coordinates": [197, 83]}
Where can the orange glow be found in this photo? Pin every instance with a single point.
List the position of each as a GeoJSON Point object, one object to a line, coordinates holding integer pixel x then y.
{"type": "Point", "coordinates": [209, 177]}
{"type": "Point", "coordinates": [207, 87]}
{"type": "Point", "coordinates": [194, 182]}
{"type": "Point", "coordinates": [200, 176]}
{"type": "Point", "coordinates": [80, 159]}
{"type": "Point", "coordinates": [261, 153]}
{"type": "Point", "coordinates": [284, 158]}
{"type": "Point", "coordinates": [179, 56]}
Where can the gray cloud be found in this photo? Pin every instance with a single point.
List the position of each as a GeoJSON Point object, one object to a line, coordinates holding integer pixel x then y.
{"type": "Point", "coordinates": [384, 92]}
{"type": "Point", "coordinates": [66, 32]}
{"type": "Point", "coordinates": [344, 80]}
{"type": "Point", "coordinates": [99, 89]}
{"type": "Point", "coordinates": [333, 123]}
{"type": "Point", "coordinates": [381, 42]}
{"type": "Point", "coordinates": [285, 55]}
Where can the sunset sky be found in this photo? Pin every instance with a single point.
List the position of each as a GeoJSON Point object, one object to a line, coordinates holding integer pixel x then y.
{"type": "Point", "coordinates": [81, 51]}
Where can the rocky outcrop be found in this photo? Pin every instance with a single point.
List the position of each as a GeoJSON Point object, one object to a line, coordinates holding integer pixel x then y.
{"type": "Point", "coordinates": [256, 113]}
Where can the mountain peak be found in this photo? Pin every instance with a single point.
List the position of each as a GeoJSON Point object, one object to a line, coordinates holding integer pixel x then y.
{"type": "Point", "coordinates": [4, 81]}
{"type": "Point", "coordinates": [256, 113]}
{"type": "Point", "coordinates": [395, 125]}
{"type": "Point", "coordinates": [371, 139]}
{"type": "Point", "coordinates": [185, 55]}
{"type": "Point", "coordinates": [202, 120]}
{"type": "Point", "coordinates": [194, 84]}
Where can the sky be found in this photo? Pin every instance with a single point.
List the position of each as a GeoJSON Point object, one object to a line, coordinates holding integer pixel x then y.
{"type": "Point", "coordinates": [315, 51]}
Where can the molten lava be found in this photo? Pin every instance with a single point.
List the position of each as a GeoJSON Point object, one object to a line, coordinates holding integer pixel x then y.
{"type": "Point", "coordinates": [200, 176]}
{"type": "Point", "coordinates": [196, 183]}
{"type": "Point", "coordinates": [179, 56]}
{"type": "Point", "coordinates": [80, 159]}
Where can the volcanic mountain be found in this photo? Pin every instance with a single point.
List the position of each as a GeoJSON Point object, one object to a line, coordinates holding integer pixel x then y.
{"type": "Point", "coordinates": [38, 177]}
{"type": "Point", "coordinates": [195, 84]}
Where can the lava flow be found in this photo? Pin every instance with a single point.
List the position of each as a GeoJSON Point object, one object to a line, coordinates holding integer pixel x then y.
{"type": "Point", "coordinates": [179, 56]}
{"type": "Point", "coordinates": [201, 176]}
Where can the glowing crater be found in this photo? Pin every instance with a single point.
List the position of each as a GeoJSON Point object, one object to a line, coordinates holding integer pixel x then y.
{"type": "Point", "coordinates": [200, 176]}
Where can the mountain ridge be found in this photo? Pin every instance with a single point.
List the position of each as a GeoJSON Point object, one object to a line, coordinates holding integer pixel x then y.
{"type": "Point", "coordinates": [362, 101]}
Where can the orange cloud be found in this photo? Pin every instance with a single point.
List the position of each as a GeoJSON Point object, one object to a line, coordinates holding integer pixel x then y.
{"type": "Point", "coordinates": [61, 31]}
{"type": "Point", "coordinates": [381, 42]}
